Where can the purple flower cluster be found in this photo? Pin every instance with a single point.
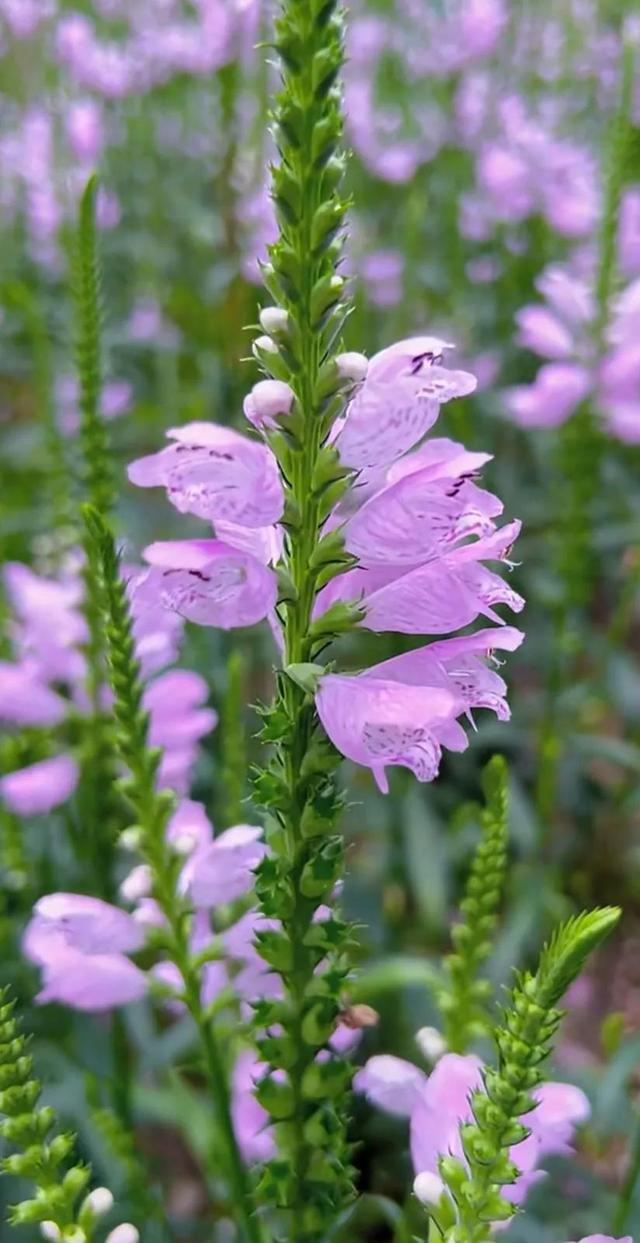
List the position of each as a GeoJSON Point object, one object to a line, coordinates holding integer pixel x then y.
{"type": "Point", "coordinates": [560, 330]}
{"type": "Point", "coordinates": [418, 523]}
{"type": "Point", "coordinates": [45, 683]}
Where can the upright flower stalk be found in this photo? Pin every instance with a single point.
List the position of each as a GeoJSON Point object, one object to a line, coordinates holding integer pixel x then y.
{"type": "Point", "coordinates": [311, 1176]}
{"type": "Point", "coordinates": [97, 488]}
{"type": "Point", "coordinates": [152, 808]}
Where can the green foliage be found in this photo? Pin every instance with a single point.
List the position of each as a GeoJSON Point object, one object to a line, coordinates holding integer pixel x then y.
{"type": "Point", "coordinates": [523, 1042]}
{"type": "Point", "coordinates": [463, 996]}
{"type": "Point", "coordinates": [152, 809]}
{"type": "Point", "coordinates": [41, 1157]}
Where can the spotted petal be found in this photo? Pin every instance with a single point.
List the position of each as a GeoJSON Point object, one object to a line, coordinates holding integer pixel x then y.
{"type": "Point", "coordinates": [210, 583]}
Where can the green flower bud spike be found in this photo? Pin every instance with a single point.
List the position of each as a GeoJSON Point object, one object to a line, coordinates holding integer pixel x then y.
{"type": "Point", "coordinates": [463, 997]}
{"type": "Point", "coordinates": [523, 1041]}
{"type": "Point", "coordinates": [41, 1156]}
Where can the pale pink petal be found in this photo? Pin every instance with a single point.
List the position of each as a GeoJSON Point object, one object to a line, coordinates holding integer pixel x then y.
{"type": "Point", "coordinates": [391, 1083]}
{"type": "Point", "coordinates": [210, 583]}
{"type": "Point", "coordinates": [378, 723]}
{"type": "Point", "coordinates": [98, 983]}
{"type": "Point", "coordinates": [215, 473]}
{"type": "Point", "coordinates": [40, 787]}
{"type": "Point", "coordinates": [543, 333]}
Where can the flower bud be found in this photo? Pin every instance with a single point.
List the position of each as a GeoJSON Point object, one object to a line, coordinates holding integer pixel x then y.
{"type": "Point", "coordinates": [428, 1187]}
{"type": "Point", "coordinates": [126, 1233]}
{"type": "Point", "coordinates": [352, 366]}
{"type": "Point", "coordinates": [138, 884]}
{"type": "Point", "coordinates": [148, 913]}
{"type": "Point", "coordinates": [50, 1231]}
{"type": "Point", "coordinates": [274, 320]}
{"type": "Point", "coordinates": [264, 345]}
{"type": "Point", "coordinates": [267, 399]}
{"type": "Point", "coordinates": [74, 1234]}
{"type": "Point", "coordinates": [130, 838]}
{"type": "Point", "coordinates": [431, 1043]}
{"type": "Point", "coordinates": [99, 1201]}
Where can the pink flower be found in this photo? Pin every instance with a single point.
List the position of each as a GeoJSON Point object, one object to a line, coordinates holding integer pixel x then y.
{"type": "Point", "coordinates": [189, 827]}
{"type": "Point", "coordinates": [215, 473]}
{"type": "Point", "coordinates": [109, 980]}
{"type": "Point", "coordinates": [83, 123]}
{"type": "Point", "coordinates": [554, 395]}
{"type": "Point", "coordinates": [222, 870]}
{"type": "Point", "coordinates": [399, 401]}
{"type": "Point", "coordinates": [439, 1103]}
{"type": "Point", "coordinates": [78, 922]}
{"type": "Point", "coordinates": [541, 331]}
{"type": "Point", "coordinates": [40, 787]}
{"type": "Point", "coordinates": [210, 583]}
{"type": "Point", "coordinates": [404, 710]}
{"type": "Point", "coordinates": [80, 943]}
{"type": "Point", "coordinates": [441, 595]}
{"type": "Point", "coordinates": [250, 1120]}
{"type": "Point", "coordinates": [24, 700]}
{"type": "Point", "coordinates": [419, 517]}
{"type": "Point", "coordinates": [606, 1238]}
{"type": "Point", "coordinates": [377, 722]}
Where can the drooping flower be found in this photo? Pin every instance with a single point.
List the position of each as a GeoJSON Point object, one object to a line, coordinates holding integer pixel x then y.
{"type": "Point", "coordinates": [40, 787]}
{"type": "Point", "coordinates": [210, 583]}
{"type": "Point", "coordinates": [377, 723]}
{"type": "Point", "coordinates": [398, 402]}
{"type": "Point", "coordinates": [563, 331]}
{"type": "Point", "coordinates": [215, 473]}
{"type": "Point", "coordinates": [445, 594]}
{"type": "Point", "coordinates": [80, 944]}
{"type": "Point", "coordinates": [25, 700]}
{"type": "Point", "coordinates": [605, 1238]}
{"type": "Point", "coordinates": [222, 870]}
{"type": "Point", "coordinates": [403, 711]}
{"type": "Point", "coordinates": [78, 922]}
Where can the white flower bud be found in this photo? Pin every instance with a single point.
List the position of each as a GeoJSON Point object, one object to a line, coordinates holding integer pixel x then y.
{"type": "Point", "coordinates": [264, 345]}
{"type": "Point", "coordinates": [130, 839]}
{"type": "Point", "coordinates": [98, 1201]}
{"type": "Point", "coordinates": [428, 1187]}
{"type": "Point", "coordinates": [138, 884]}
{"type": "Point", "coordinates": [50, 1231]}
{"type": "Point", "coordinates": [352, 366]}
{"type": "Point", "coordinates": [431, 1043]}
{"type": "Point", "coordinates": [274, 320]}
{"type": "Point", "coordinates": [126, 1233]}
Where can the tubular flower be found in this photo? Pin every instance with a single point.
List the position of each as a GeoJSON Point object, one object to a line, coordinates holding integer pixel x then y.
{"type": "Point", "coordinates": [214, 472]}
{"type": "Point", "coordinates": [437, 1104]}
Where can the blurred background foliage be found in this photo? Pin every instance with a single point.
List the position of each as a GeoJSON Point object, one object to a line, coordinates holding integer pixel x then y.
{"type": "Point", "coordinates": [482, 134]}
